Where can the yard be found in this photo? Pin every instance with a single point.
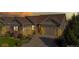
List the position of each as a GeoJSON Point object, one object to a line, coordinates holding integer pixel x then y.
{"type": "Point", "coordinates": [8, 41]}
{"type": "Point", "coordinates": [12, 42]}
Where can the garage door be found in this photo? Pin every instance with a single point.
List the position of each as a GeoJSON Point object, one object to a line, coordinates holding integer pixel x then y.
{"type": "Point", "coordinates": [49, 30]}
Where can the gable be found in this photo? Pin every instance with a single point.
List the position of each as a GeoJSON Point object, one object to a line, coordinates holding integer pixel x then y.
{"type": "Point", "coordinates": [10, 21]}
{"type": "Point", "coordinates": [56, 20]}
{"type": "Point", "coordinates": [36, 19]}
{"type": "Point", "coordinates": [24, 21]}
{"type": "Point", "coordinates": [15, 22]}
{"type": "Point", "coordinates": [50, 21]}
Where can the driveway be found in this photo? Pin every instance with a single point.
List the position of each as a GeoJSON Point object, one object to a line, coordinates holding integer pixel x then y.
{"type": "Point", "coordinates": [37, 41]}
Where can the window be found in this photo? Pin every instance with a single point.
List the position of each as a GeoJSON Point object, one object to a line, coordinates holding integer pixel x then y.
{"type": "Point", "coordinates": [15, 28]}
{"type": "Point", "coordinates": [33, 27]}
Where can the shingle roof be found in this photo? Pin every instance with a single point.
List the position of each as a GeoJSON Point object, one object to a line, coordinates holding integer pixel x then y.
{"type": "Point", "coordinates": [36, 19]}
{"type": "Point", "coordinates": [23, 21]}
{"type": "Point", "coordinates": [57, 18]}
{"type": "Point", "coordinates": [15, 20]}
{"type": "Point", "coordinates": [7, 20]}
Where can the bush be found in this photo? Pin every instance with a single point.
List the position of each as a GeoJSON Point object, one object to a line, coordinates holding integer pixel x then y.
{"type": "Point", "coordinates": [10, 40]}
{"type": "Point", "coordinates": [61, 42]}
{"type": "Point", "coordinates": [24, 39]}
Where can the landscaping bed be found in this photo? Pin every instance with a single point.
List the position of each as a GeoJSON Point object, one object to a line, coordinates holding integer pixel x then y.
{"type": "Point", "coordinates": [11, 40]}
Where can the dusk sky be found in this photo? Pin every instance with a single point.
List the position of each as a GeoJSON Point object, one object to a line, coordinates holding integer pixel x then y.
{"type": "Point", "coordinates": [22, 14]}
{"type": "Point", "coordinates": [26, 13]}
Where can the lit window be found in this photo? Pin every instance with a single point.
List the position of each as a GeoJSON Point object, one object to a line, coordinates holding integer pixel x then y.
{"type": "Point", "coordinates": [33, 27]}
{"type": "Point", "coordinates": [15, 28]}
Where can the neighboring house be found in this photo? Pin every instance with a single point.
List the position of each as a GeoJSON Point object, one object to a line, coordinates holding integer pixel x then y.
{"type": "Point", "coordinates": [16, 25]}
{"type": "Point", "coordinates": [45, 25]}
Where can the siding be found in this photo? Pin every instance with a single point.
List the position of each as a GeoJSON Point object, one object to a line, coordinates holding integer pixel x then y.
{"type": "Point", "coordinates": [4, 29]}
{"type": "Point", "coordinates": [27, 30]}
{"type": "Point", "coordinates": [48, 30]}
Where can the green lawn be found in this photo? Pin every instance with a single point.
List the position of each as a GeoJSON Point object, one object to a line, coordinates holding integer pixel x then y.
{"type": "Point", "coordinates": [10, 41]}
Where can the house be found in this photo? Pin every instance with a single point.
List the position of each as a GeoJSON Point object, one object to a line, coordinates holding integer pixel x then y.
{"type": "Point", "coordinates": [49, 25]}
{"type": "Point", "coordinates": [36, 20]}
{"type": "Point", "coordinates": [16, 25]}
{"type": "Point", "coordinates": [26, 26]}
{"type": "Point", "coordinates": [44, 25]}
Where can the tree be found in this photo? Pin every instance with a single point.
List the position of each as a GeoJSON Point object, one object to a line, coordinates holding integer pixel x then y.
{"type": "Point", "coordinates": [71, 33]}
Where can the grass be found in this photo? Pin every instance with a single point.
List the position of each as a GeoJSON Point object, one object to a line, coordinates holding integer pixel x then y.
{"type": "Point", "coordinates": [13, 42]}
{"type": "Point", "coordinates": [9, 40]}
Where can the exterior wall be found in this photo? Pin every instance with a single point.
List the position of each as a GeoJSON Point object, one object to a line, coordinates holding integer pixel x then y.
{"type": "Point", "coordinates": [49, 31]}
{"type": "Point", "coordinates": [27, 30]}
{"type": "Point", "coordinates": [4, 29]}
{"type": "Point", "coordinates": [43, 30]}
{"type": "Point", "coordinates": [61, 28]}
{"type": "Point", "coordinates": [60, 32]}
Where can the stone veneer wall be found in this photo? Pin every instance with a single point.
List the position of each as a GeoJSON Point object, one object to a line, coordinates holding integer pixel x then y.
{"type": "Point", "coordinates": [27, 30]}
{"type": "Point", "coordinates": [4, 29]}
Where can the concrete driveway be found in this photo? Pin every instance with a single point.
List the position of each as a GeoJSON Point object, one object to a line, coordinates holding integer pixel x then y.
{"type": "Point", "coordinates": [38, 41]}
{"type": "Point", "coordinates": [35, 42]}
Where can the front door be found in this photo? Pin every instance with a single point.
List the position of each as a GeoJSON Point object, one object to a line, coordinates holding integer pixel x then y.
{"type": "Point", "coordinates": [39, 29]}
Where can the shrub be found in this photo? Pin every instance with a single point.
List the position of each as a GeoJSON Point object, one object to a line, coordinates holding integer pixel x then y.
{"type": "Point", "coordinates": [71, 33]}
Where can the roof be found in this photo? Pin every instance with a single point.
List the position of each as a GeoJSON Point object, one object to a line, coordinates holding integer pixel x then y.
{"type": "Point", "coordinates": [56, 18]}
{"type": "Point", "coordinates": [59, 18]}
{"type": "Point", "coordinates": [36, 19]}
{"type": "Point", "coordinates": [23, 21]}
{"type": "Point", "coordinates": [7, 20]}
{"type": "Point", "coordinates": [15, 21]}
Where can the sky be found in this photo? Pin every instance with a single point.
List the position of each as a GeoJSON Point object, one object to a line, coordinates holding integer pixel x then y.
{"type": "Point", "coordinates": [26, 13]}
{"type": "Point", "coordinates": [22, 14]}
{"type": "Point", "coordinates": [16, 13]}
